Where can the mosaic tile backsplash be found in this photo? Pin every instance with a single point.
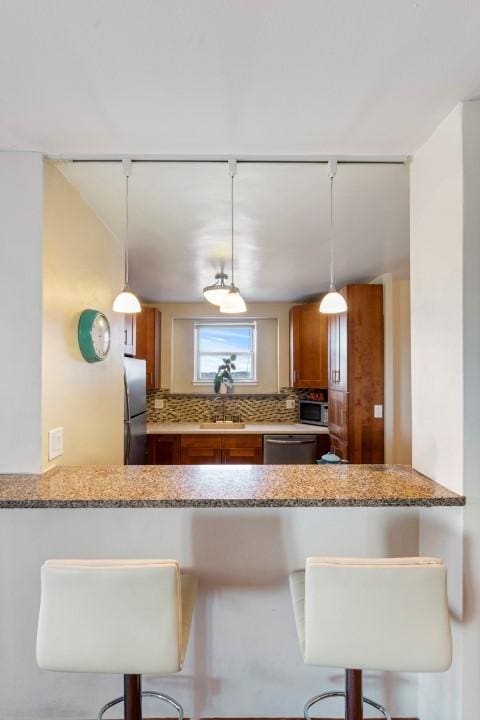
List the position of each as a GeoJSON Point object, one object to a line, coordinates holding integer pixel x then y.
{"type": "Point", "coordinates": [250, 408]}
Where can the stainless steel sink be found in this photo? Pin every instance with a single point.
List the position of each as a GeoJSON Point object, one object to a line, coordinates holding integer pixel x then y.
{"type": "Point", "coordinates": [224, 424]}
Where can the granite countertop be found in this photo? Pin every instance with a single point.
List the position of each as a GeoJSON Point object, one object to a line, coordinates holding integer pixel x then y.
{"type": "Point", "coordinates": [118, 486]}
{"type": "Point", "coordinates": [156, 428]}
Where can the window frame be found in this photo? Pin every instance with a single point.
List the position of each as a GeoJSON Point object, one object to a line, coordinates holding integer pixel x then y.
{"type": "Point", "coordinates": [219, 324]}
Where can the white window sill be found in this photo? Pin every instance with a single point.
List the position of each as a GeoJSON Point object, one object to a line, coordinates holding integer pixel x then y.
{"type": "Point", "coordinates": [203, 383]}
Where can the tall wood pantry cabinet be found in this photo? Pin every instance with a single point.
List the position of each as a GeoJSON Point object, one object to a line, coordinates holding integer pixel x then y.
{"type": "Point", "coordinates": [142, 341]}
{"type": "Point", "coordinates": [356, 376]}
{"type": "Point", "coordinates": [308, 347]}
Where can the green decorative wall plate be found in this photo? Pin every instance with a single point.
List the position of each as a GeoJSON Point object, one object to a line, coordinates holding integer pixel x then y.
{"type": "Point", "coordinates": [93, 335]}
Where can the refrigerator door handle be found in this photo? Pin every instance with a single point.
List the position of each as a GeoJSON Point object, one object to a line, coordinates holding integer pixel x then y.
{"type": "Point", "coordinates": [127, 396]}
{"type": "Point", "coordinates": [128, 443]}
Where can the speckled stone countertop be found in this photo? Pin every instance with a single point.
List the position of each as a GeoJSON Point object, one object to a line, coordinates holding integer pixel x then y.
{"type": "Point", "coordinates": [154, 428]}
{"type": "Point", "coordinates": [119, 486]}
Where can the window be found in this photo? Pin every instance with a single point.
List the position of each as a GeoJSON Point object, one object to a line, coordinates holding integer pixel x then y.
{"type": "Point", "coordinates": [215, 341]}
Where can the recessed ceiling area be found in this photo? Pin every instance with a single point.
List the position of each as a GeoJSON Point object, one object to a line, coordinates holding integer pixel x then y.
{"type": "Point", "coordinates": [180, 224]}
{"type": "Point", "coordinates": [236, 77]}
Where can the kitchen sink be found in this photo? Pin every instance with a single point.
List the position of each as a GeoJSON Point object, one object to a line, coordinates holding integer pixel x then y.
{"type": "Point", "coordinates": [225, 424]}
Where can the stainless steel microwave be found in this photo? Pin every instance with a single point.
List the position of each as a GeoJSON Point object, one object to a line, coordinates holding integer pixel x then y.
{"type": "Point", "coordinates": [313, 412]}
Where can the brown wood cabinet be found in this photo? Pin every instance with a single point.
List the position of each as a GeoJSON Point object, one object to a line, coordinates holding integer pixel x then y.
{"type": "Point", "coordinates": [164, 449]}
{"type": "Point", "coordinates": [308, 347]}
{"type": "Point", "coordinates": [356, 375]}
{"type": "Point", "coordinates": [205, 449]}
{"type": "Point", "coordinates": [148, 327]}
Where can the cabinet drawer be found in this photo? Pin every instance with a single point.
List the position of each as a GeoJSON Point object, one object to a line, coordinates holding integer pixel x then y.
{"type": "Point", "coordinates": [243, 456]}
{"type": "Point", "coordinates": [242, 441]}
{"type": "Point", "coordinates": [202, 441]}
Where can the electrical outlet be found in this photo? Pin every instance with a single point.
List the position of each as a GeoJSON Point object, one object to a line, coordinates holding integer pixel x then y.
{"type": "Point", "coordinates": [160, 404]}
{"type": "Point", "coordinates": [290, 403]}
{"type": "Point", "coordinates": [378, 411]}
{"type": "Point", "coordinates": [55, 443]}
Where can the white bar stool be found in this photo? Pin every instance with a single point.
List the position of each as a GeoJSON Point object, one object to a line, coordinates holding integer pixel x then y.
{"type": "Point", "coordinates": [371, 614]}
{"type": "Point", "coordinates": [116, 616]}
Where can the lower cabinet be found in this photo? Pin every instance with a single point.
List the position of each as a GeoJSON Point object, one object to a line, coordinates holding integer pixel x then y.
{"type": "Point", "coordinates": [164, 449]}
{"type": "Point", "coordinates": [205, 449]}
{"type": "Point", "coordinates": [213, 449]}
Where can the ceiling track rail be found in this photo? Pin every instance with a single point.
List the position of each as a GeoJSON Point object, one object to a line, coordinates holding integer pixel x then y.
{"type": "Point", "coordinates": [246, 159]}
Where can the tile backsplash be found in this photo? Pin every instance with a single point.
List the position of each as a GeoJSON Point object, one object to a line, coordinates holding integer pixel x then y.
{"type": "Point", "coordinates": [202, 408]}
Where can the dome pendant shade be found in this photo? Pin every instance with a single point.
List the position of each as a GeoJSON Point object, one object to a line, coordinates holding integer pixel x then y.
{"type": "Point", "coordinates": [333, 302]}
{"type": "Point", "coordinates": [233, 302]}
{"type": "Point", "coordinates": [126, 302]}
{"type": "Point", "coordinates": [217, 292]}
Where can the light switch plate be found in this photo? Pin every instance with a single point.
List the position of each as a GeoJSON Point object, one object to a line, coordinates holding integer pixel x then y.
{"type": "Point", "coordinates": [160, 404]}
{"type": "Point", "coordinates": [378, 411]}
{"type": "Point", "coordinates": [55, 443]}
{"type": "Point", "coordinates": [290, 403]}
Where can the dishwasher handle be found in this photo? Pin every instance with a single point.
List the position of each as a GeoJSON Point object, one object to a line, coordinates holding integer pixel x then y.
{"type": "Point", "coordinates": [290, 442]}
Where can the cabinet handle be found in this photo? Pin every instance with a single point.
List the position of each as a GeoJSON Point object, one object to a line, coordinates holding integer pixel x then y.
{"type": "Point", "coordinates": [125, 335]}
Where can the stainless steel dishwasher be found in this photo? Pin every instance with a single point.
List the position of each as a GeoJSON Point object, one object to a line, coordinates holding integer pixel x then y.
{"type": "Point", "coordinates": [289, 449]}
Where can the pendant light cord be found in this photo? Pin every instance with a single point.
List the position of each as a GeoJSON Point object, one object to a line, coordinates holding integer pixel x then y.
{"type": "Point", "coordinates": [331, 231]}
{"type": "Point", "coordinates": [231, 218]}
{"type": "Point", "coordinates": [126, 229]}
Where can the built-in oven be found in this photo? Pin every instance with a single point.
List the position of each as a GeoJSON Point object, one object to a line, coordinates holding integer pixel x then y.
{"type": "Point", "coordinates": [313, 412]}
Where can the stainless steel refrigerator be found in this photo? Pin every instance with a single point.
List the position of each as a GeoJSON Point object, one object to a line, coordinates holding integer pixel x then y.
{"type": "Point", "coordinates": [135, 413]}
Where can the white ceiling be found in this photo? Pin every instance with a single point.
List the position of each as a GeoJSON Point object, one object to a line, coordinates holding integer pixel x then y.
{"type": "Point", "coordinates": [236, 77]}
{"type": "Point", "coordinates": [180, 224]}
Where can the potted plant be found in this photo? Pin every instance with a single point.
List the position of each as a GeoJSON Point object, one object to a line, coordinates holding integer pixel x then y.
{"type": "Point", "coordinates": [224, 377]}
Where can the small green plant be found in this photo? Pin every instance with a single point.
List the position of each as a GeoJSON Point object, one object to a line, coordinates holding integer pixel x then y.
{"type": "Point", "coordinates": [224, 374]}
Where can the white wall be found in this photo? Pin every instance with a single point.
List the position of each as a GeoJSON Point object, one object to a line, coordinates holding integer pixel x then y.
{"type": "Point", "coordinates": [82, 268]}
{"type": "Point", "coordinates": [243, 658]}
{"type": "Point", "coordinates": [278, 311]}
{"type": "Point", "coordinates": [21, 213]}
{"type": "Point", "coordinates": [445, 293]}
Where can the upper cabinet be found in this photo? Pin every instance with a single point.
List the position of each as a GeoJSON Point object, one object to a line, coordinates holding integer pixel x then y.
{"type": "Point", "coordinates": [356, 375]}
{"type": "Point", "coordinates": [308, 347]}
{"type": "Point", "coordinates": [142, 340]}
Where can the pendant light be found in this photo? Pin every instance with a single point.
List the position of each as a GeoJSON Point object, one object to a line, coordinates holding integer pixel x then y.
{"type": "Point", "coordinates": [216, 293]}
{"type": "Point", "coordinates": [126, 301]}
{"type": "Point", "coordinates": [233, 302]}
{"type": "Point", "coordinates": [332, 302]}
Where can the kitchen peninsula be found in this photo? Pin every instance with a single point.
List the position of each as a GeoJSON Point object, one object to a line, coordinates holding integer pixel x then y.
{"type": "Point", "coordinates": [204, 486]}
{"type": "Point", "coordinates": [241, 530]}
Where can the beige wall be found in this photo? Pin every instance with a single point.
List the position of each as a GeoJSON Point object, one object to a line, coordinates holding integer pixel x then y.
{"type": "Point", "coordinates": [398, 386]}
{"type": "Point", "coordinates": [277, 311]}
{"type": "Point", "coordinates": [82, 269]}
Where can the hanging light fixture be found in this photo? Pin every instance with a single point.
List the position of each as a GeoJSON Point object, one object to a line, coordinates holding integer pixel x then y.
{"type": "Point", "coordinates": [332, 302]}
{"type": "Point", "coordinates": [126, 301]}
{"type": "Point", "coordinates": [215, 293]}
{"type": "Point", "coordinates": [233, 302]}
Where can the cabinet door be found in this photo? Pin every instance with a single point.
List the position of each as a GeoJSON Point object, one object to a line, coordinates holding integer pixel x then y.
{"type": "Point", "coordinates": [337, 351]}
{"type": "Point", "coordinates": [148, 327]}
{"type": "Point", "coordinates": [308, 347]}
{"type": "Point", "coordinates": [338, 414]}
{"type": "Point", "coordinates": [242, 449]}
{"type": "Point", "coordinates": [201, 450]}
{"type": "Point", "coordinates": [339, 447]}
{"type": "Point", "coordinates": [164, 450]}
{"type": "Point", "coordinates": [129, 334]}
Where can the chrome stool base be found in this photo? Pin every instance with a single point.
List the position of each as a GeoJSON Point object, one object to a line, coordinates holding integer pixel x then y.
{"type": "Point", "coordinates": [145, 693]}
{"type": "Point", "coordinates": [324, 696]}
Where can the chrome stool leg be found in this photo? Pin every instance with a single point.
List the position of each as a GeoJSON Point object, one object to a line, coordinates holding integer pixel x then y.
{"type": "Point", "coordinates": [324, 696]}
{"type": "Point", "coordinates": [145, 693]}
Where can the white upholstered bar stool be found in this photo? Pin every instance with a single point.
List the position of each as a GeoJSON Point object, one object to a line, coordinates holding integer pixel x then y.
{"type": "Point", "coordinates": [371, 614]}
{"type": "Point", "coordinates": [116, 616]}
